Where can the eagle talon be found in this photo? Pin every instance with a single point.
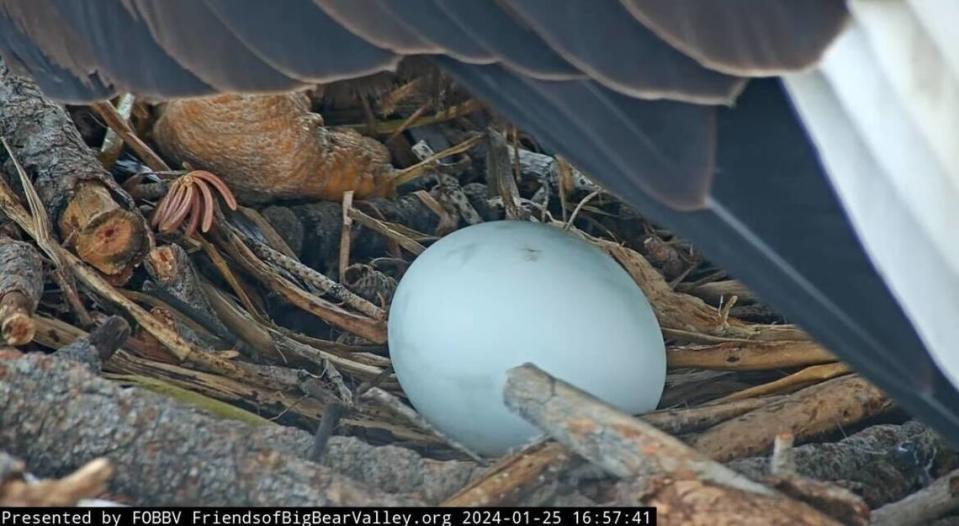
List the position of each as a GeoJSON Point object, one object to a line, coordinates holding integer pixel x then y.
{"type": "Point", "coordinates": [190, 196]}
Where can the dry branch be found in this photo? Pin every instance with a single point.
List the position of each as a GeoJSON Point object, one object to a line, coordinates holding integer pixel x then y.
{"type": "Point", "coordinates": [750, 356]}
{"type": "Point", "coordinates": [687, 487]}
{"type": "Point", "coordinates": [172, 270]}
{"type": "Point", "coordinates": [682, 312]}
{"type": "Point", "coordinates": [683, 421]}
{"type": "Point", "coordinates": [371, 329]}
{"type": "Point", "coordinates": [514, 476]}
{"type": "Point", "coordinates": [316, 279]}
{"type": "Point", "coordinates": [57, 416]}
{"type": "Point", "coordinates": [21, 284]}
{"type": "Point", "coordinates": [792, 382]}
{"type": "Point", "coordinates": [940, 498]}
{"type": "Point", "coordinates": [119, 125]}
{"type": "Point", "coordinates": [835, 501]}
{"type": "Point", "coordinates": [806, 413]}
{"type": "Point", "coordinates": [93, 214]}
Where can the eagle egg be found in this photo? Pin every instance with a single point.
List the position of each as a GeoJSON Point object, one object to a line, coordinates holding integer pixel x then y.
{"type": "Point", "coordinates": [496, 295]}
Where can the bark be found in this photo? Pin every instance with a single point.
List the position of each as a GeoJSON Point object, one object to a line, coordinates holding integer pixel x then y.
{"type": "Point", "coordinates": [514, 476]}
{"type": "Point", "coordinates": [835, 501]}
{"type": "Point", "coordinates": [689, 420]}
{"type": "Point", "coordinates": [882, 463]}
{"type": "Point", "coordinates": [175, 275]}
{"type": "Point", "coordinates": [21, 285]}
{"type": "Point", "coordinates": [750, 356]}
{"type": "Point", "coordinates": [57, 416]}
{"type": "Point", "coordinates": [805, 413]}
{"type": "Point", "coordinates": [93, 214]}
{"type": "Point", "coordinates": [940, 498]}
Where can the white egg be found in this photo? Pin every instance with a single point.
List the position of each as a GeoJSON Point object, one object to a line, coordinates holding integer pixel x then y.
{"type": "Point", "coordinates": [496, 295]}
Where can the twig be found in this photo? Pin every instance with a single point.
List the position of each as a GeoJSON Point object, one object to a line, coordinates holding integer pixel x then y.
{"type": "Point", "coordinates": [412, 172]}
{"type": "Point", "coordinates": [119, 124]}
{"type": "Point", "coordinates": [579, 206]}
{"type": "Point", "coordinates": [499, 175]}
{"type": "Point", "coordinates": [514, 476]}
{"type": "Point", "coordinates": [783, 460]}
{"type": "Point", "coordinates": [313, 277]}
{"type": "Point", "coordinates": [806, 413]}
{"type": "Point", "coordinates": [371, 329]}
{"type": "Point", "coordinates": [683, 421]}
{"type": "Point", "coordinates": [750, 356]}
{"type": "Point", "coordinates": [390, 126]}
{"type": "Point", "coordinates": [21, 285]}
{"type": "Point", "coordinates": [390, 230]}
{"type": "Point", "coordinates": [345, 235]}
{"type": "Point", "coordinates": [802, 378]}
{"type": "Point", "coordinates": [672, 476]}
{"type": "Point", "coordinates": [112, 143]}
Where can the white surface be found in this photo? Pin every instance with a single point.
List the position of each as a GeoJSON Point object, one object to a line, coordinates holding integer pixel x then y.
{"type": "Point", "coordinates": [883, 111]}
{"type": "Point", "coordinates": [496, 295]}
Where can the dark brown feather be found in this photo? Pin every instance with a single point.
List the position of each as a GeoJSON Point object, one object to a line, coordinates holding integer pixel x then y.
{"type": "Point", "coordinates": [604, 41]}
{"type": "Point", "coordinates": [745, 37]}
{"type": "Point", "coordinates": [290, 39]}
{"type": "Point", "coordinates": [373, 21]}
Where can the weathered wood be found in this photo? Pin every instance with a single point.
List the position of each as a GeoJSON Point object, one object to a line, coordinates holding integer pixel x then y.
{"type": "Point", "coordinates": [805, 413]}
{"type": "Point", "coordinates": [687, 487]}
{"type": "Point", "coordinates": [514, 476]}
{"type": "Point", "coordinates": [373, 330]}
{"type": "Point", "coordinates": [57, 416]}
{"type": "Point", "coordinates": [835, 501]}
{"type": "Point", "coordinates": [749, 356]}
{"type": "Point", "coordinates": [93, 214]}
{"type": "Point", "coordinates": [882, 463]}
{"type": "Point", "coordinates": [792, 382]}
{"type": "Point", "coordinates": [936, 500]}
{"type": "Point", "coordinates": [171, 269]}
{"type": "Point", "coordinates": [21, 285]}
{"type": "Point", "coordinates": [500, 177]}
{"type": "Point", "coordinates": [688, 420]}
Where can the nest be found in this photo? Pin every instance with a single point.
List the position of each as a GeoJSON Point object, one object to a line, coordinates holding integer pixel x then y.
{"type": "Point", "coordinates": [270, 319]}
